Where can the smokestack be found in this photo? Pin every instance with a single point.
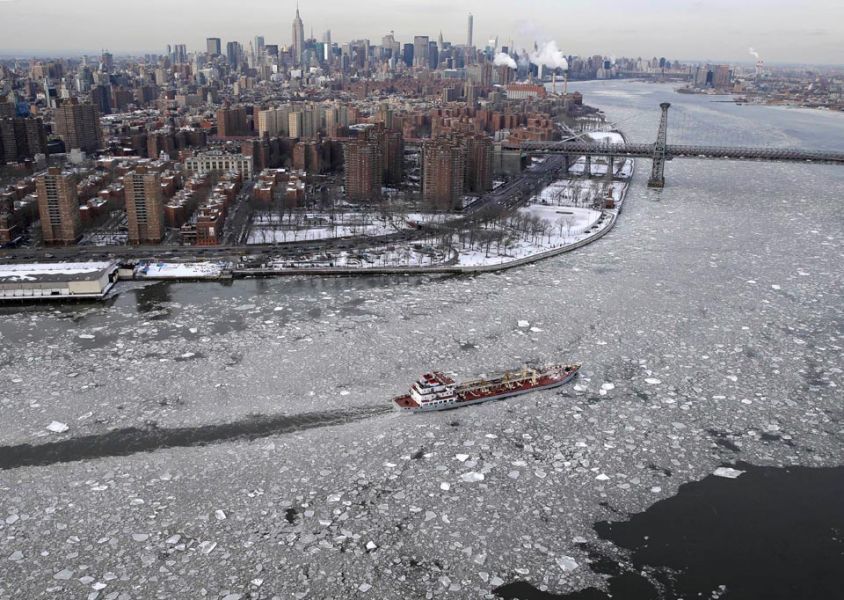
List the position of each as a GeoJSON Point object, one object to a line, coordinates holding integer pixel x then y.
{"type": "Point", "coordinates": [566, 84]}
{"type": "Point", "coordinates": [554, 85]}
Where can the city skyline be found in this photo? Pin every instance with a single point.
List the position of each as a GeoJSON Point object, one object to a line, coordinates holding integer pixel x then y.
{"type": "Point", "coordinates": [689, 31]}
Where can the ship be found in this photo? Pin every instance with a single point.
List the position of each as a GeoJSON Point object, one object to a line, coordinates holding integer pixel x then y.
{"type": "Point", "coordinates": [438, 391]}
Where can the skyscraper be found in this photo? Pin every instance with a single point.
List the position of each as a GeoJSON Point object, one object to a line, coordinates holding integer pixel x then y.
{"type": "Point", "coordinates": [407, 54]}
{"type": "Point", "coordinates": [469, 35]}
{"type": "Point", "coordinates": [298, 38]}
{"type": "Point", "coordinates": [58, 207]}
{"type": "Point", "coordinates": [214, 46]}
{"type": "Point", "coordinates": [79, 126]}
{"type": "Point", "coordinates": [433, 56]}
{"type": "Point", "coordinates": [420, 51]}
{"type": "Point", "coordinates": [180, 54]}
{"type": "Point", "coordinates": [233, 52]}
{"type": "Point", "coordinates": [326, 47]}
{"type": "Point", "coordinates": [144, 206]}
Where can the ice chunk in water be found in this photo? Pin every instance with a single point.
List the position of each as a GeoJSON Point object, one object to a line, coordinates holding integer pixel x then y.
{"type": "Point", "coordinates": [727, 472]}
{"type": "Point", "coordinates": [566, 563]}
{"type": "Point", "coordinates": [57, 427]}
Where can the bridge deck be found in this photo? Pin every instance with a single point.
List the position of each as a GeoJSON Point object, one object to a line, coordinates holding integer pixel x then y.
{"type": "Point", "coordinates": [686, 151]}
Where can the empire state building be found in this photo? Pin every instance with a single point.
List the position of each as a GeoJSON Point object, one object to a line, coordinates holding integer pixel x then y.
{"type": "Point", "coordinates": [298, 38]}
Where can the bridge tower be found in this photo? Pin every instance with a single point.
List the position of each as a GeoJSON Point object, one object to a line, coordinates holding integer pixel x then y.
{"type": "Point", "coordinates": [657, 179]}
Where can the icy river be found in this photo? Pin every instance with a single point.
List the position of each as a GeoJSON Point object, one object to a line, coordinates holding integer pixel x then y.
{"type": "Point", "coordinates": [235, 440]}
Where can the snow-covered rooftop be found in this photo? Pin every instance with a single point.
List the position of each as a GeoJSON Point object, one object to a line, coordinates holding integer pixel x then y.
{"type": "Point", "coordinates": [54, 271]}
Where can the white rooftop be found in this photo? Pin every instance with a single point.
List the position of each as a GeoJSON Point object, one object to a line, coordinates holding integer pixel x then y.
{"type": "Point", "coordinates": [52, 271]}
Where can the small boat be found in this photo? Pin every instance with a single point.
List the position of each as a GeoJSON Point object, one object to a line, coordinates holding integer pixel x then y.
{"type": "Point", "coordinates": [437, 391]}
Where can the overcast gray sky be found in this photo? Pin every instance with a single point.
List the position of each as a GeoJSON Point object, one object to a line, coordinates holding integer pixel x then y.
{"type": "Point", "coordinates": [809, 31]}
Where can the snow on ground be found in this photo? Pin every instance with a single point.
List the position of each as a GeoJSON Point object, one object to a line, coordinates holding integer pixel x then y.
{"type": "Point", "coordinates": [599, 167]}
{"type": "Point", "coordinates": [269, 228]}
{"type": "Point", "coordinates": [564, 225]}
{"type": "Point", "coordinates": [265, 235]}
{"type": "Point", "coordinates": [567, 225]}
{"type": "Point", "coordinates": [196, 270]}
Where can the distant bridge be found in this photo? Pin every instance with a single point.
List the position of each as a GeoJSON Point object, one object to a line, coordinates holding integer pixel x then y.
{"type": "Point", "coordinates": [661, 151]}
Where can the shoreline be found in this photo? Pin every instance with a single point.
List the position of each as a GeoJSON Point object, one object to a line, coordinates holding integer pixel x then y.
{"type": "Point", "coordinates": [227, 269]}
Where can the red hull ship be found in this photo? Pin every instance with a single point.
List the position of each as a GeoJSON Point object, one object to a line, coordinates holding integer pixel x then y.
{"type": "Point", "coordinates": [437, 391]}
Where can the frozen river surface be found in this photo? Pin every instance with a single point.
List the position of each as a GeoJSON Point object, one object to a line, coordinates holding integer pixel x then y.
{"type": "Point", "coordinates": [710, 323]}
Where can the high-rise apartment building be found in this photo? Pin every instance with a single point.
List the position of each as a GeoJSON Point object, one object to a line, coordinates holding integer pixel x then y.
{"type": "Point", "coordinates": [487, 70]}
{"type": "Point", "coordinates": [21, 139]}
{"type": "Point", "coordinates": [480, 155]}
{"type": "Point", "coordinates": [214, 46]}
{"type": "Point", "coordinates": [298, 38]}
{"type": "Point", "coordinates": [144, 206]}
{"type": "Point", "coordinates": [101, 96]}
{"type": "Point", "coordinates": [295, 124]}
{"type": "Point", "coordinates": [364, 164]}
{"type": "Point", "coordinates": [79, 126]}
{"type": "Point", "coordinates": [393, 150]}
{"type": "Point", "coordinates": [58, 207]}
{"type": "Point", "coordinates": [232, 122]}
{"type": "Point", "coordinates": [274, 122]}
{"type": "Point", "coordinates": [469, 33]}
{"type": "Point", "coordinates": [443, 173]}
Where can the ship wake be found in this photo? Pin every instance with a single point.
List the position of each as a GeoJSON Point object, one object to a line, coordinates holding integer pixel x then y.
{"type": "Point", "coordinates": [132, 440]}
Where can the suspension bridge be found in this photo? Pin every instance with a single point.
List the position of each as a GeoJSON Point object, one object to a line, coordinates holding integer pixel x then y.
{"type": "Point", "coordinates": [661, 151]}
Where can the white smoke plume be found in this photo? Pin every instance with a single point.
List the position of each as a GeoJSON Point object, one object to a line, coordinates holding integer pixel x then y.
{"type": "Point", "coordinates": [504, 59]}
{"type": "Point", "coordinates": [550, 56]}
{"type": "Point", "coordinates": [755, 54]}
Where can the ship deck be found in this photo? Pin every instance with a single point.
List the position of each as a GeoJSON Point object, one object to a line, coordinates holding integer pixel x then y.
{"type": "Point", "coordinates": [405, 402]}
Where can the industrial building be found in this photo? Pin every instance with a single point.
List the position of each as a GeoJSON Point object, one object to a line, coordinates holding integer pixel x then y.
{"type": "Point", "coordinates": [56, 281]}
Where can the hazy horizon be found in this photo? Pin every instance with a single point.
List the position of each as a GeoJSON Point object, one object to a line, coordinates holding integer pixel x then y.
{"type": "Point", "coordinates": [716, 30]}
